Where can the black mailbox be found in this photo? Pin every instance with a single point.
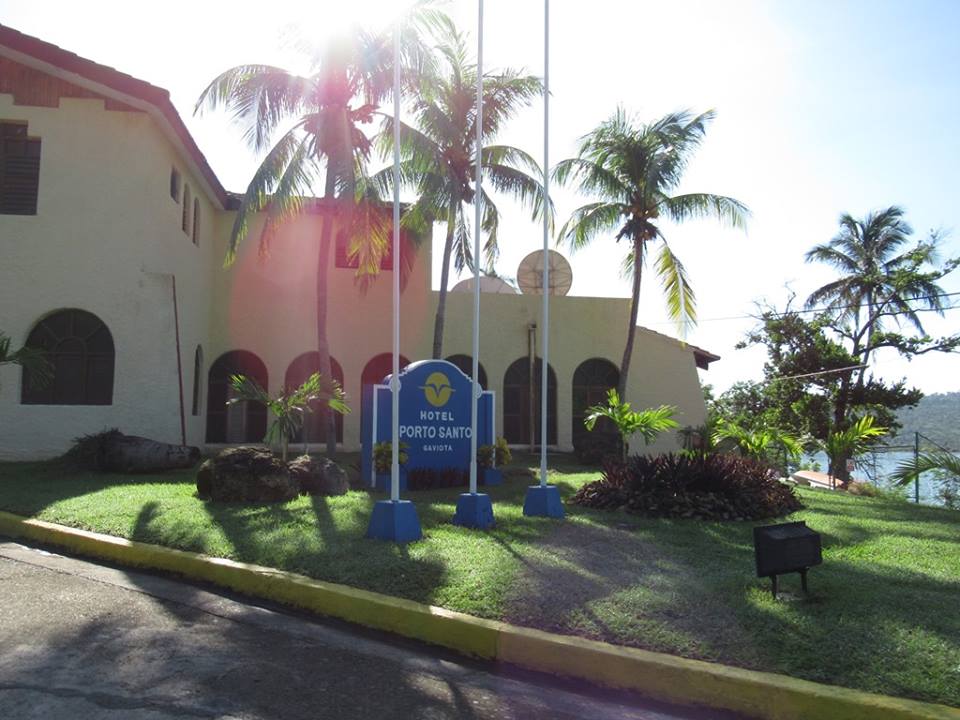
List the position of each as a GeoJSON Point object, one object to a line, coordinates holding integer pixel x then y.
{"type": "Point", "coordinates": [786, 548]}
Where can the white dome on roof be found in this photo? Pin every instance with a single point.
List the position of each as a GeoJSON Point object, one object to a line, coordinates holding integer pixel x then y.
{"type": "Point", "coordinates": [488, 284]}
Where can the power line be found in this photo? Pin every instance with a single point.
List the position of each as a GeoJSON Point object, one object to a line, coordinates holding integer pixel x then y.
{"type": "Point", "coordinates": [817, 310]}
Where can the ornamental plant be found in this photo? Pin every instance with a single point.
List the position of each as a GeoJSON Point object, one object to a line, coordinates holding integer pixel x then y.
{"type": "Point", "coordinates": [496, 455]}
{"type": "Point", "coordinates": [649, 423]}
{"type": "Point", "coordinates": [383, 456]}
{"type": "Point", "coordinates": [288, 407]}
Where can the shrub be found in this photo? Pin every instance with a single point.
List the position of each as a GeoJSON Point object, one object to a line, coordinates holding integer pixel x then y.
{"type": "Point", "coordinates": [383, 456]}
{"type": "Point", "coordinates": [499, 452]}
{"type": "Point", "coordinates": [714, 487]}
{"type": "Point", "coordinates": [89, 452]}
{"type": "Point", "coordinates": [594, 447]}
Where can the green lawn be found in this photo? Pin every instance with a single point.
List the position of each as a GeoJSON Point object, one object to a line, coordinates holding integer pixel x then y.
{"type": "Point", "coordinates": [883, 614]}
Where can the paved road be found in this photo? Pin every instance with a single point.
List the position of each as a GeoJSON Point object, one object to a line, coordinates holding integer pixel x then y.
{"type": "Point", "coordinates": [80, 641]}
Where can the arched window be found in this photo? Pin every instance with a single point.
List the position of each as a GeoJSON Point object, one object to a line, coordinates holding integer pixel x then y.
{"type": "Point", "coordinates": [196, 221]}
{"type": "Point", "coordinates": [185, 219]}
{"type": "Point", "coordinates": [465, 363]}
{"type": "Point", "coordinates": [302, 367]}
{"type": "Point", "coordinates": [519, 395]}
{"type": "Point", "coordinates": [80, 348]}
{"type": "Point", "coordinates": [376, 370]}
{"type": "Point", "coordinates": [242, 422]}
{"type": "Point", "coordinates": [591, 380]}
{"type": "Point", "coordinates": [197, 378]}
{"type": "Point", "coordinates": [175, 184]}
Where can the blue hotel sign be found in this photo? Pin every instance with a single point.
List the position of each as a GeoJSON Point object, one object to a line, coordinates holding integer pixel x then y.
{"type": "Point", "coordinates": [434, 417]}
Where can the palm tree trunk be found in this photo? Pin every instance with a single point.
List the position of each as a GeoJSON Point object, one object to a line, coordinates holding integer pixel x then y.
{"type": "Point", "coordinates": [634, 309]}
{"type": "Point", "coordinates": [327, 419]}
{"type": "Point", "coordinates": [444, 279]}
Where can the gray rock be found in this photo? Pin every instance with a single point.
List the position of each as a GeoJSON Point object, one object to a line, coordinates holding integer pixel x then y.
{"type": "Point", "coordinates": [246, 475]}
{"type": "Point", "coordinates": [319, 476]}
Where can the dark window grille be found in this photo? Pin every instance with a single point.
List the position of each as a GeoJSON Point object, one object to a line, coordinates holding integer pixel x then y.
{"type": "Point", "coordinates": [516, 402]}
{"type": "Point", "coordinates": [243, 421]}
{"type": "Point", "coordinates": [175, 184]}
{"type": "Point", "coordinates": [80, 348]}
{"type": "Point", "coordinates": [376, 370]}
{"type": "Point", "coordinates": [19, 170]}
{"type": "Point", "coordinates": [591, 380]}
{"type": "Point", "coordinates": [465, 363]}
{"type": "Point", "coordinates": [196, 221]}
{"type": "Point", "coordinates": [185, 220]}
{"type": "Point", "coordinates": [302, 367]}
{"type": "Point", "coordinates": [197, 379]}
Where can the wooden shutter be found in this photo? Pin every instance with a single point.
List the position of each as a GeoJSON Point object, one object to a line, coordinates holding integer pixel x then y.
{"type": "Point", "coordinates": [19, 170]}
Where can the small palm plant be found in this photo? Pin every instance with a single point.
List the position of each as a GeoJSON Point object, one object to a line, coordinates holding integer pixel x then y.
{"type": "Point", "coordinates": [649, 423]}
{"type": "Point", "coordinates": [842, 445]}
{"type": "Point", "coordinates": [289, 407]}
{"type": "Point", "coordinates": [760, 443]}
{"type": "Point", "coordinates": [33, 361]}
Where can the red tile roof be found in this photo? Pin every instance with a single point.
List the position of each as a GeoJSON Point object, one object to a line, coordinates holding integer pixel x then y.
{"type": "Point", "coordinates": [114, 82]}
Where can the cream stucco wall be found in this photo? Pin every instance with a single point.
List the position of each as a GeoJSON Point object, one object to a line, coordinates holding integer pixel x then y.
{"type": "Point", "coordinates": [107, 239]}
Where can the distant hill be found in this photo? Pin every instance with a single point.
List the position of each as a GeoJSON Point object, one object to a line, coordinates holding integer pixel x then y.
{"type": "Point", "coordinates": [936, 416]}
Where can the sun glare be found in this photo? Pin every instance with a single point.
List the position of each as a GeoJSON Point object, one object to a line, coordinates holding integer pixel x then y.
{"type": "Point", "coordinates": [321, 22]}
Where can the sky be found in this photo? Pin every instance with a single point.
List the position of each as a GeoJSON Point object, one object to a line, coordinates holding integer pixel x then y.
{"type": "Point", "coordinates": [823, 107]}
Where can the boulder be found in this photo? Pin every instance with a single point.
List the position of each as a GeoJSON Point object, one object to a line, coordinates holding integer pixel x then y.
{"type": "Point", "coordinates": [319, 476]}
{"type": "Point", "coordinates": [246, 475]}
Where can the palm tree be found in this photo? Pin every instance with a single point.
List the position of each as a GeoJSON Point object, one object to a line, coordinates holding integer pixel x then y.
{"type": "Point", "coordinates": [34, 362]}
{"type": "Point", "coordinates": [649, 423]}
{"type": "Point", "coordinates": [879, 279]}
{"type": "Point", "coordinates": [326, 145]}
{"type": "Point", "coordinates": [632, 169]}
{"type": "Point", "coordinates": [943, 460]}
{"type": "Point", "coordinates": [289, 406]}
{"type": "Point", "coordinates": [438, 157]}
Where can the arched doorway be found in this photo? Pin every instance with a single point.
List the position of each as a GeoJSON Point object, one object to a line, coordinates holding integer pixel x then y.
{"type": "Point", "coordinates": [242, 422]}
{"type": "Point", "coordinates": [375, 371]}
{"type": "Point", "coordinates": [465, 363]}
{"type": "Point", "coordinates": [591, 380]}
{"type": "Point", "coordinates": [302, 367]}
{"type": "Point", "coordinates": [517, 400]}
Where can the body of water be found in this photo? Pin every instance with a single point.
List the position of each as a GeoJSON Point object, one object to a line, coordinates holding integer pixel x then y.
{"type": "Point", "coordinates": [877, 468]}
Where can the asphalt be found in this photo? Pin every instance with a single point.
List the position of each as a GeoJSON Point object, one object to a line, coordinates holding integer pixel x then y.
{"type": "Point", "coordinates": [80, 640]}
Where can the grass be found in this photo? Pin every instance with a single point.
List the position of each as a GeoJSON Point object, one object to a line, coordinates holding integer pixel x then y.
{"type": "Point", "coordinates": [883, 614]}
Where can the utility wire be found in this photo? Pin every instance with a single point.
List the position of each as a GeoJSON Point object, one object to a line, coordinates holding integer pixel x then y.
{"type": "Point", "coordinates": [819, 309]}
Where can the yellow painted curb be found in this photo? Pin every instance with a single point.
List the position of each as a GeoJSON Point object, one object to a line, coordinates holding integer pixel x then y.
{"type": "Point", "coordinates": [655, 675]}
{"type": "Point", "coordinates": [457, 631]}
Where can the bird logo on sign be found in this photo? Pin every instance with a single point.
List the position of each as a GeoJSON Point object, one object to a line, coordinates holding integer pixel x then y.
{"type": "Point", "coordinates": [437, 389]}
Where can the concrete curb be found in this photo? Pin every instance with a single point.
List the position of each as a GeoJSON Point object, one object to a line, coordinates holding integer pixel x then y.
{"type": "Point", "coordinates": [656, 675]}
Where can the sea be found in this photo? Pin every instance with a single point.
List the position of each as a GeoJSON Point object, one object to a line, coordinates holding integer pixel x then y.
{"type": "Point", "coordinates": [876, 469]}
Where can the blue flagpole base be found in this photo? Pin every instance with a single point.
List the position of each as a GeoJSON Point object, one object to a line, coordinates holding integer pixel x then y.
{"type": "Point", "coordinates": [394, 521]}
{"type": "Point", "coordinates": [474, 511]}
{"type": "Point", "coordinates": [543, 501]}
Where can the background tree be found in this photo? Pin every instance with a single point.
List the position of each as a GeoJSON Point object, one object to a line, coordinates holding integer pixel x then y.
{"type": "Point", "coordinates": [439, 157]}
{"type": "Point", "coordinates": [633, 169]}
{"type": "Point", "coordinates": [880, 281]}
{"type": "Point", "coordinates": [323, 144]}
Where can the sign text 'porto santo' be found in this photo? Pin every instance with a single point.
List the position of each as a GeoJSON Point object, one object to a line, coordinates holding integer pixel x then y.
{"type": "Point", "coordinates": [434, 417]}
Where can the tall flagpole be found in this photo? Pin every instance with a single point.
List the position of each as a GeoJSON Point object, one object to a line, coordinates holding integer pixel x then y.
{"type": "Point", "coordinates": [545, 331]}
{"type": "Point", "coordinates": [477, 203]}
{"type": "Point", "coordinates": [395, 378]}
